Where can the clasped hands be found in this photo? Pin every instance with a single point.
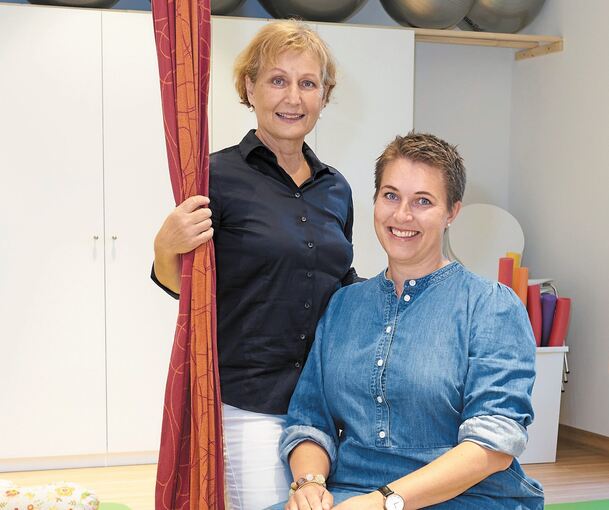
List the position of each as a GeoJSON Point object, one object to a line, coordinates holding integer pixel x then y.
{"type": "Point", "coordinates": [313, 496]}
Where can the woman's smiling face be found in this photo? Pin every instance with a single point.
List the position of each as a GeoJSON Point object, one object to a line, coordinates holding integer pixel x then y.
{"type": "Point", "coordinates": [411, 214]}
{"type": "Point", "coordinates": [287, 96]}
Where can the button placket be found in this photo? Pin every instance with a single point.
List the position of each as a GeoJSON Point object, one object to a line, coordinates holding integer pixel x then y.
{"type": "Point", "coordinates": [381, 425]}
{"type": "Point", "coordinates": [309, 243]}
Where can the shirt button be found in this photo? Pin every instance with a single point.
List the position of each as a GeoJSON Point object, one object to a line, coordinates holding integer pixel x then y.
{"type": "Point", "coordinates": [382, 434]}
{"type": "Point", "coordinates": [388, 329]}
{"type": "Point", "coordinates": [303, 336]}
{"type": "Point", "coordinates": [379, 362]}
{"type": "Point", "coordinates": [310, 244]}
{"type": "Point", "coordinates": [307, 305]}
{"type": "Point", "coordinates": [297, 194]}
{"type": "Point", "coordinates": [407, 298]}
{"type": "Point", "coordinates": [303, 218]}
{"type": "Point", "coordinates": [297, 364]}
{"type": "Point", "coordinates": [309, 274]}
{"type": "Point", "coordinates": [412, 283]}
{"type": "Point", "coordinates": [379, 399]}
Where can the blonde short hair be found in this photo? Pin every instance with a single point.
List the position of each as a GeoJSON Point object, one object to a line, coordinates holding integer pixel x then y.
{"type": "Point", "coordinates": [272, 40]}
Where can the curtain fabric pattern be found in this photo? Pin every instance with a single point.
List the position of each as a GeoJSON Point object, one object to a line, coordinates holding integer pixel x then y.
{"type": "Point", "coordinates": [190, 469]}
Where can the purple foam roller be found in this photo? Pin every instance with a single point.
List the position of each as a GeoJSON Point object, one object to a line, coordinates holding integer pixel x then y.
{"type": "Point", "coordinates": [548, 305]}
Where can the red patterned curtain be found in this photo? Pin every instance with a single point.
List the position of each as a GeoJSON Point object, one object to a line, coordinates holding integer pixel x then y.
{"type": "Point", "coordinates": [190, 470]}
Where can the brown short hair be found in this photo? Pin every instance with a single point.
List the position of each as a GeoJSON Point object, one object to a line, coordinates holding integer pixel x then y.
{"type": "Point", "coordinates": [429, 149]}
{"type": "Point", "coordinates": [275, 38]}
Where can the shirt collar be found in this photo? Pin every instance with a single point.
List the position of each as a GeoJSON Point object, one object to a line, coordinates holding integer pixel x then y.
{"type": "Point", "coordinates": [420, 283]}
{"type": "Point", "coordinates": [251, 143]}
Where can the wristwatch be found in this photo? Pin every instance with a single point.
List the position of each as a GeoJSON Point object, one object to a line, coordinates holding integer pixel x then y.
{"type": "Point", "coordinates": [393, 501]}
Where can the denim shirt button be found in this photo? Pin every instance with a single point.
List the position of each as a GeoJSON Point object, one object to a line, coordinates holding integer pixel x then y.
{"type": "Point", "coordinates": [379, 399]}
{"type": "Point", "coordinates": [382, 434]}
{"type": "Point", "coordinates": [379, 362]}
{"type": "Point", "coordinates": [412, 283]}
{"type": "Point", "coordinates": [388, 329]}
{"type": "Point", "coordinates": [407, 298]}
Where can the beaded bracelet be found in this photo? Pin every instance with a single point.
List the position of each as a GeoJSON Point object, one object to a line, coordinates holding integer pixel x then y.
{"type": "Point", "coordinates": [305, 480]}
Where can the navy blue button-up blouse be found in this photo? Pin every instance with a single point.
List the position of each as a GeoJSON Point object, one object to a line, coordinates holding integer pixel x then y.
{"type": "Point", "coordinates": [281, 251]}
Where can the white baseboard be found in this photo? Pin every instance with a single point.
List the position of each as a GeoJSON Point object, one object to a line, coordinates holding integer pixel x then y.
{"type": "Point", "coordinates": [78, 461]}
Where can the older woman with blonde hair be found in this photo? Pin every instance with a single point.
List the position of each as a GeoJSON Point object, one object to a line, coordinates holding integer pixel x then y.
{"type": "Point", "coordinates": [281, 221]}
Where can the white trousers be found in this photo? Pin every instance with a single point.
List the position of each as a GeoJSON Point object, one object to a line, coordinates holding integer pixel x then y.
{"type": "Point", "coordinates": [255, 477]}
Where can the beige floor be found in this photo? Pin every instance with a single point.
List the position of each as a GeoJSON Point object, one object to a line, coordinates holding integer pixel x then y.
{"type": "Point", "coordinates": [579, 474]}
{"type": "Point", "coordinates": [130, 485]}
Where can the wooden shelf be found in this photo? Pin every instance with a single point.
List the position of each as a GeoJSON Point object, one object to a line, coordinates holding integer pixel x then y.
{"type": "Point", "coordinates": [529, 45]}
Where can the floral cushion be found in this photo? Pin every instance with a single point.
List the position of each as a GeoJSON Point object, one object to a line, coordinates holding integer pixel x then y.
{"type": "Point", "coordinates": [56, 496]}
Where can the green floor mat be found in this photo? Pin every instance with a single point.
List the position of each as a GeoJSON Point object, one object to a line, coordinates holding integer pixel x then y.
{"type": "Point", "coordinates": [600, 504]}
{"type": "Point", "coordinates": [113, 506]}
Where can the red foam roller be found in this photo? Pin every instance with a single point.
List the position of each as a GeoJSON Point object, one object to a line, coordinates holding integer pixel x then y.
{"type": "Point", "coordinates": [534, 309]}
{"type": "Point", "coordinates": [506, 269]}
{"type": "Point", "coordinates": [560, 327]}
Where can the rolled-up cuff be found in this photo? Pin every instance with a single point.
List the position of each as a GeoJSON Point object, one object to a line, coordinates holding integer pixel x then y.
{"type": "Point", "coordinates": [296, 434]}
{"type": "Point", "coordinates": [496, 433]}
{"type": "Point", "coordinates": [173, 294]}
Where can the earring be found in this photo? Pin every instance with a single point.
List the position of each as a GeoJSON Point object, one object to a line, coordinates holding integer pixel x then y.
{"type": "Point", "coordinates": [448, 226]}
{"type": "Point", "coordinates": [251, 108]}
{"type": "Point", "coordinates": [321, 115]}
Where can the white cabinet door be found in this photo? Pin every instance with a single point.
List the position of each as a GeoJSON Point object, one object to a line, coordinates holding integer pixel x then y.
{"type": "Point", "coordinates": [140, 317]}
{"type": "Point", "coordinates": [372, 103]}
{"type": "Point", "coordinates": [52, 352]}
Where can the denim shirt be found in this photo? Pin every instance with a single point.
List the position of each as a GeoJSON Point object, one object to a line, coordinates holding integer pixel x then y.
{"type": "Point", "coordinates": [393, 383]}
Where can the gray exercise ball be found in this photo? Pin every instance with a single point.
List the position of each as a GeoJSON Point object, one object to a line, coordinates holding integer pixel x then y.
{"type": "Point", "coordinates": [97, 4]}
{"type": "Point", "coordinates": [504, 16]}
{"type": "Point", "coordinates": [313, 10]}
{"type": "Point", "coordinates": [223, 7]}
{"type": "Point", "coordinates": [427, 13]}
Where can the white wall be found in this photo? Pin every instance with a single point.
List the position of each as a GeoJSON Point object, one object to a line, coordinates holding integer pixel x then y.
{"type": "Point", "coordinates": [558, 189]}
{"type": "Point", "coordinates": [462, 94]}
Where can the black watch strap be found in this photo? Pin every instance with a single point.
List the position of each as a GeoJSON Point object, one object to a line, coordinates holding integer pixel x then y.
{"type": "Point", "coordinates": [385, 491]}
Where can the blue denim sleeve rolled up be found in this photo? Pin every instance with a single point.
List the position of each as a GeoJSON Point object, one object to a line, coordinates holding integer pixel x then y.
{"type": "Point", "coordinates": [407, 378]}
{"type": "Point", "coordinates": [501, 370]}
{"type": "Point", "coordinates": [309, 418]}
{"type": "Point", "coordinates": [496, 433]}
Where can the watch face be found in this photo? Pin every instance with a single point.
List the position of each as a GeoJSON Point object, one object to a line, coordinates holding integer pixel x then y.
{"type": "Point", "coordinates": [394, 502]}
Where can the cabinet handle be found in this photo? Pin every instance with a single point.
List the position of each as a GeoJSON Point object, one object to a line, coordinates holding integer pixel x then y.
{"type": "Point", "coordinates": [95, 238]}
{"type": "Point", "coordinates": [114, 238]}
